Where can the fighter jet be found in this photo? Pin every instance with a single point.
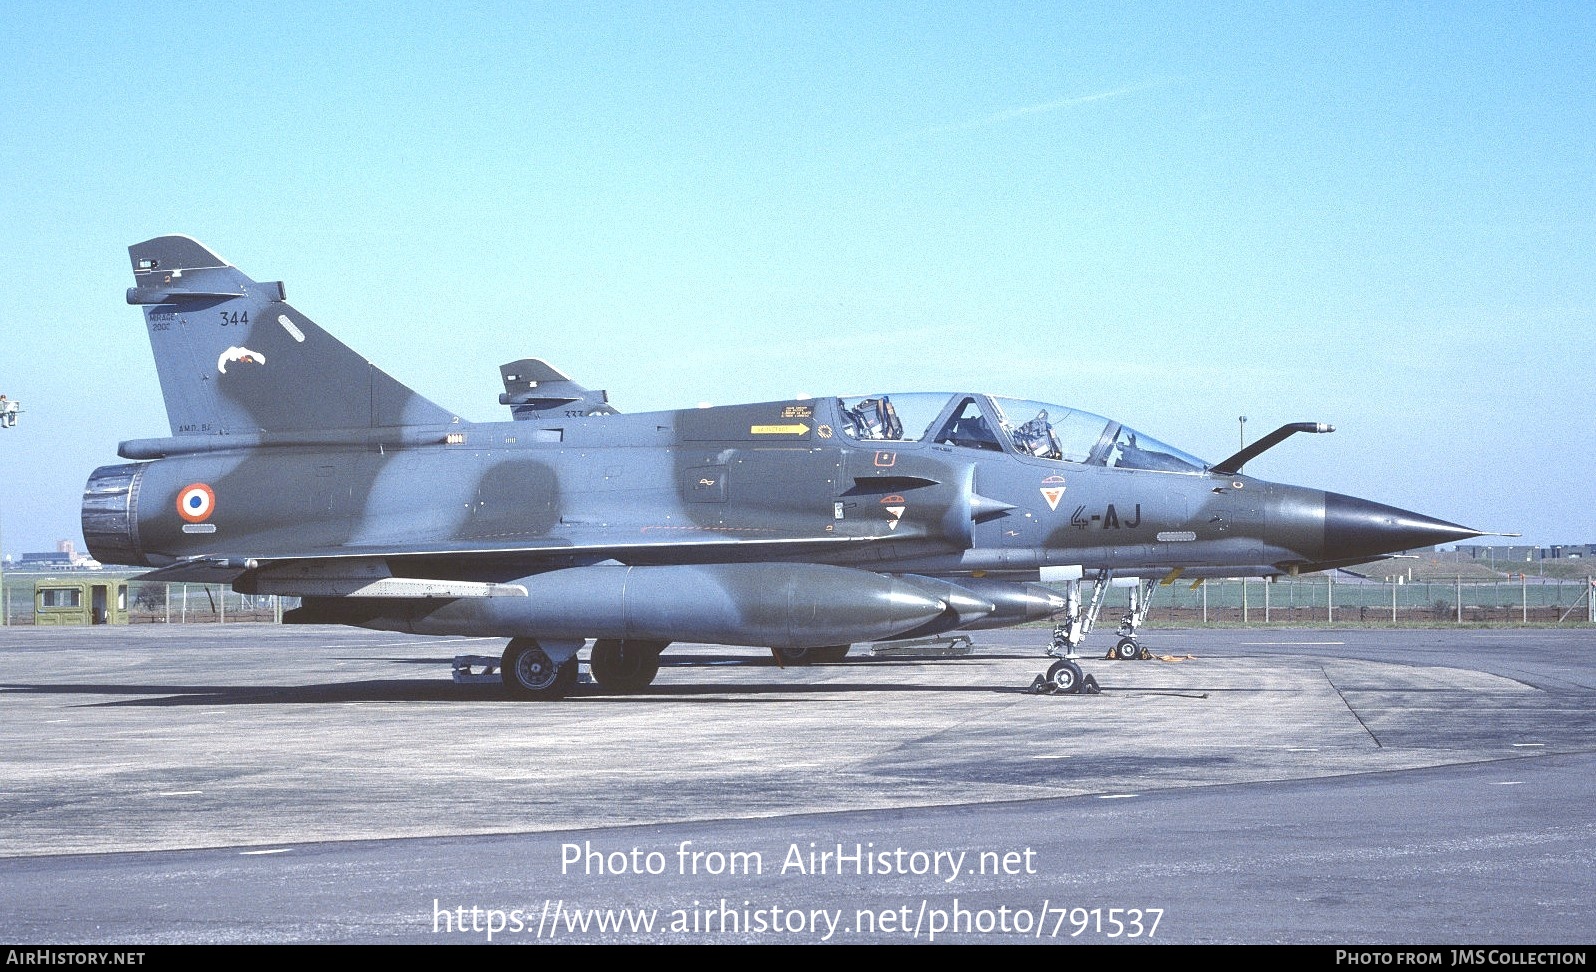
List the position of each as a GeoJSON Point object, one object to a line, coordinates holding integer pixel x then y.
{"type": "Point", "coordinates": [296, 467]}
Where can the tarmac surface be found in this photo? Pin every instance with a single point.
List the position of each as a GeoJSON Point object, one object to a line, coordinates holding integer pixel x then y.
{"type": "Point", "coordinates": [256, 783]}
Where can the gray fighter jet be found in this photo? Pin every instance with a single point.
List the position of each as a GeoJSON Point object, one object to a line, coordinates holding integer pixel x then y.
{"type": "Point", "coordinates": [296, 467]}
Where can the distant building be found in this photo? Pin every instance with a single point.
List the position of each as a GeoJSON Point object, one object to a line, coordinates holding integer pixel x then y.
{"type": "Point", "coordinates": [1560, 551]}
{"type": "Point", "coordinates": [64, 557]}
{"type": "Point", "coordinates": [45, 561]}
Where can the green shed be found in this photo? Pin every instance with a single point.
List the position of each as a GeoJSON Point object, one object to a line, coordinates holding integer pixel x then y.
{"type": "Point", "coordinates": [80, 601]}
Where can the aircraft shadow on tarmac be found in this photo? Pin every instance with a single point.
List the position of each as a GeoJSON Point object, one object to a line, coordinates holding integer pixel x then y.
{"type": "Point", "coordinates": [437, 690]}
{"type": "Point", "coordinates": [747, 661]}
{"type": "Point", "coordinates": [433, 690]}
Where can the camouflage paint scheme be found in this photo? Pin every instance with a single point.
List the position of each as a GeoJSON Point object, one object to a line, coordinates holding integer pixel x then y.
{"type": "Point", "coordinates": [297, 467]}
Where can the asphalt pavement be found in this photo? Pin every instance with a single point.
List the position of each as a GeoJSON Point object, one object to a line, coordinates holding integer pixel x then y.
{"type": "Point", "coordinates": [243, 783]}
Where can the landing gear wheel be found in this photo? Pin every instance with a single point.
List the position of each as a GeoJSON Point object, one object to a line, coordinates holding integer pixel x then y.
{"type": "Point", "coordinates": [625, 666]}
{"type": "Point", "coordinates": [797, 657]}
{"type": "Point", "coordinates": [529, 673]}
{"type": "Point", "coordinates": [1065, 676]}
{"type": "Point", "coordinates": [1127, 650]}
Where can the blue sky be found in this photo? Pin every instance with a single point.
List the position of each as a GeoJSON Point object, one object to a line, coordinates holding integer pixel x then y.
{"type": "Point", "coordinates": [1374, 215]}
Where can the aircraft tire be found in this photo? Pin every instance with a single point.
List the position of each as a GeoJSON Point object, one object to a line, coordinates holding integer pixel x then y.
{"type": "Point", "coordinates": [625, 666]}
{"type": "Point", "coordinates": [798, 657]}
{"type": "Point", "coordinates": [1127, 650]}
{"type": "Point", "coordinates": [1065, 677]}
{"type": "Point", "coordinates": [528, 672]}
{"type": "Point", "coordinates": [830, 654]}
{"type": "Point", "coordinates": [793, 657]}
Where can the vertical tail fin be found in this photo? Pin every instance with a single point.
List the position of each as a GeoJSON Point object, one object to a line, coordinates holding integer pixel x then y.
{"type": "Point", "coordinates": [235, 358]}
{"type": "Point", "coordinates": [535, 389]}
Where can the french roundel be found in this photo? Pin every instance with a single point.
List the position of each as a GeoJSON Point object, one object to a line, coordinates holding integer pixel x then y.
{"type": "Point", "coordinates": [196, 503]}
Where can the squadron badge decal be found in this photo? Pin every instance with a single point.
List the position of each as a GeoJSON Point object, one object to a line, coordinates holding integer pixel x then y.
{"type": "Point", "coordinates": [244, 355]}
{"type": "Point", "coordinates": [895, 505]}
{"type": "Point", "coordinates": [1053, 491]}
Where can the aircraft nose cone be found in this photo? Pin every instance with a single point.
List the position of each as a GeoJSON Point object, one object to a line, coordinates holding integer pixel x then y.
{"type": "Point", "coordinates": [1356, 527]}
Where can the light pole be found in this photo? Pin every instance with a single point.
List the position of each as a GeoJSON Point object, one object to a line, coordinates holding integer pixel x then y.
{"type": "Point", "coordinates": [9, 410]}
{"type": "Point", "coordinates": [1242, 420]}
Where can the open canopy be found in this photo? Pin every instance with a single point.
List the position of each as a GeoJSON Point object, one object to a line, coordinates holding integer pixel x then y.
{"type": "Point", "coordinates": [974, 421]}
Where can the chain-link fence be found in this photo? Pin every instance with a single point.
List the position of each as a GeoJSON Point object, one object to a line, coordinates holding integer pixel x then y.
{"type": "Point", "coordinates": [1302, 600]}
{"type": "Point", "coordinates": [1322, 599]}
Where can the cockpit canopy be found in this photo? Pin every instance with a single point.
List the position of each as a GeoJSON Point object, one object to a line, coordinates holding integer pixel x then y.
{"type": "Point", "coordinates": [985, 422]}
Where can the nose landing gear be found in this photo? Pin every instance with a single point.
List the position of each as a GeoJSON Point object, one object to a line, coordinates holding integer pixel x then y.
{"type": "Point", "coordinates": [1128, 648]}
{"type": "Point", "coordinates": [1065, 675]}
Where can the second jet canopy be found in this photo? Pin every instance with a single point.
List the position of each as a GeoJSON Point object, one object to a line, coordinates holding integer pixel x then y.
{"type": "Point", "coordinates": [985, 422]}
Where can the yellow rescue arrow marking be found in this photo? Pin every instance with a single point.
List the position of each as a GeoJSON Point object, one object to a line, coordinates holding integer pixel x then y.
{"type": "Point", "coordinates": [778, 429]}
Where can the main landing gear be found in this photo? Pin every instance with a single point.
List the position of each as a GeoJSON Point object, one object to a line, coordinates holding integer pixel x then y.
{"type": "Point", "coordinates": [542, 670]}
{"type": "Point", "coordinates": [828, 654]}
{"type": "Point", "coordinates": [531, 671]}
{"type": "Point", "coordinates": [1065, 677]}
{"type": "Point", "coordinates": [625, 666]}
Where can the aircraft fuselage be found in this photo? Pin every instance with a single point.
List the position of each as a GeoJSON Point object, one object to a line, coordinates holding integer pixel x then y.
{"type": "Point", "coordinates": [296, 467]}
{"type": "Point", "coordinates": [730, 484]}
